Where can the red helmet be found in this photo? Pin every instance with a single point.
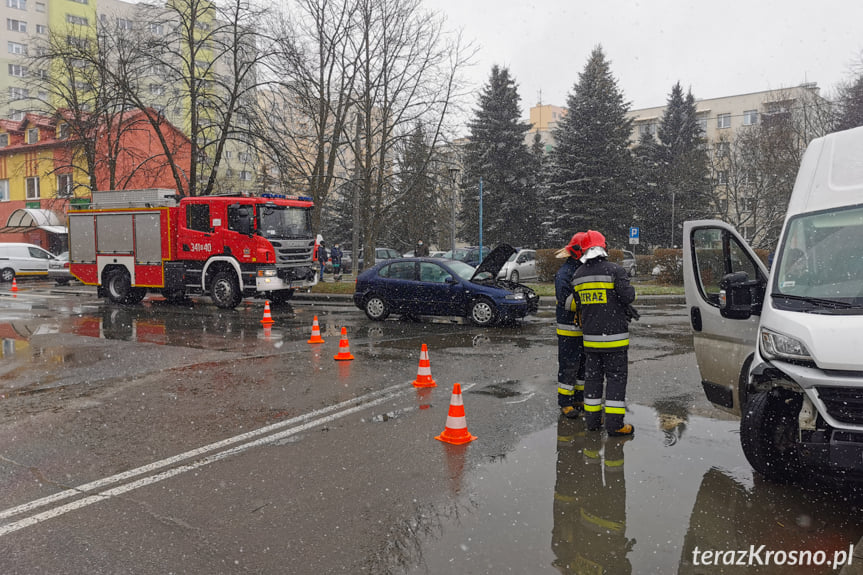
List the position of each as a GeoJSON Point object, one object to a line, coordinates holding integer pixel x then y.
{"type": "Point", "coordinates": [592, 239]}
{"type": "Point", "coordinates": [576, 245]}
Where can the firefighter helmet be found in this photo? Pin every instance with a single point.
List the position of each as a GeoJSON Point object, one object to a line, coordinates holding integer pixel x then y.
{"type": "Point", "coordinates": [573, 248]}
{"type": "Point", "coordinates": [593, 246]}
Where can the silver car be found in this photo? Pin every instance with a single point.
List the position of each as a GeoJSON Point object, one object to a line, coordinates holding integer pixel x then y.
{"type": "Point", "coordinates": [628, 263]}
{"type": "Point", "coordinates": [58, 269]}
{"type": "Point", "coordinates": [520, 266]}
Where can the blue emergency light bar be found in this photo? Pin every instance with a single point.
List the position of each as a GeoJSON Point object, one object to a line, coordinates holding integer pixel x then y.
{"type": "Point", "coordinates": [285, 197]}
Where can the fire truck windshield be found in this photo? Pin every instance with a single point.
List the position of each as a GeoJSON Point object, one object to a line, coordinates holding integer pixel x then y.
{"type": "Point", "coordinates": [282, 222]}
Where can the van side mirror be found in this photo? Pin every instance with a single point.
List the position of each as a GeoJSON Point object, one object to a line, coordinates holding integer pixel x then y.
{"type": "Point", "coordinates": [740, 297]}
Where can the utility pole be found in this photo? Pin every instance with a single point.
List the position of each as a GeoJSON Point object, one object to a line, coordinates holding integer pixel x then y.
{"type": "Point", "coordinates": [355, 236]}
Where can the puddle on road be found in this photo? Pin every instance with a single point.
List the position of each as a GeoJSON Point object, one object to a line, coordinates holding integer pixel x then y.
{"type": "Point", "coordinates": [566, 500]}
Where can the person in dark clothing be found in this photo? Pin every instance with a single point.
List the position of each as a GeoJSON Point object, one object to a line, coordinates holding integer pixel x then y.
{"type": "Point", "coordinates": [336, 258]}
{"type": "Point", "coordinates": [421, 250]}
{"type": "Point", "coordinates": [603, 297]}
{"type": "Point", "coordinates": [570, 351]}
{"type": "Point", "coordinates": [322, 257]}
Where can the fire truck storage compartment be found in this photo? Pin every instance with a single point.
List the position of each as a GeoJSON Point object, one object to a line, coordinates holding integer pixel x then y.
{"type": "Point", "coordinates": [82, 248]}
{"type": "Point", "coordinates": [114, 234]}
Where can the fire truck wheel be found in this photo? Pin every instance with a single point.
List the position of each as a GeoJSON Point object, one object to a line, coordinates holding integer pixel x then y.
{"type": "Point", "coordinates": [118, 286]}
{"type": "Point", "coordinates": [225, 290]}
{"type": "Point", "coordinates": [281, 296]}
{"type": "Point", "coordinates": [174, 295]}
{"type": "Point", "coordinates": [135, 295]}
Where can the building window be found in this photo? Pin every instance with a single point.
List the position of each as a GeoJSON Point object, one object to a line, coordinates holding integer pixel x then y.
{"type": "Point", "coordinates": [16, 93]}
{"type": "Point", "coordinates": [33, 188]}
{"type": "Point", "coordinates": [750, 117]}
{"type": "Point", "coordinates": [723, 121]}
{"type": "Point", "coordinates": [721, 177]}
{"type": "Point", "coordinates": [41, 29]}
{"type": "Point", "coordinates": [78, 20]}
{"type": "Point", "coordinates": [80, 1]}
{"type": "Point", "coordinates": [40, 7]}
{"type": "Point", "coordinates": [229, 154]}
{"type": "Point", "coordinates": [4, 190]}
{"type": "Point", "coordinates": [32, 135]}
{"type": "Point", "coordinates": [16, 25]}
{"type": "Point", "coordinates": [17, 70]}
{"type": "Point", "coordinates": [157, 29]}
{"type": "Point", "coordinates": [63, 132]}
{"type": "Point", "coordinates": [722, 149]}
{"type": "Point", "coordinates": [244, 156]}
{"type": "Point", "coordinates": [4, 140]}
{"type": "Point", "coordinates": [746, 204]}
{"type": "Point", "coordinates": [19, 4]}
{"type": "Point", "coordinates": [245, 175]}
{"type": "Point", "coordinates": [64, 185]}
{"type": "Point", "coordinates": [157, 89]}
{"type": "Point", "coordinates": [77, 42]}
{"type": "Point", "coordinates": [16, 48]}
{"type": "Point", "coordinates": [124, 24]}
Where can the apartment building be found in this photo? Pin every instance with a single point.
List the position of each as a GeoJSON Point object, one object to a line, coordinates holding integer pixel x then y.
{"type": "Point", "coordinates": [26, 29]}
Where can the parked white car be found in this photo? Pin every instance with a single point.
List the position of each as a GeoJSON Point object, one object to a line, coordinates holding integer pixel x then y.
{"type": "Point", "coordinates": [520, 266]}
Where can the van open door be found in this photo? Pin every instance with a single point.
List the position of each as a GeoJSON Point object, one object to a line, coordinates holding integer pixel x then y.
{"type": "Point", "coordinates": [724, 282]}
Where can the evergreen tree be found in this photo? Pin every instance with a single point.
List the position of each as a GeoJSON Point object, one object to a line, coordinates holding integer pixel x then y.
{"type": "Point", "coordinates": [589, 185]}
{"type": "Point", "coordinates": [497, 153]}
{"type": "Point", "coordinates": [851, 105]}
{"type": "Point", "coordinates": [682, 172]}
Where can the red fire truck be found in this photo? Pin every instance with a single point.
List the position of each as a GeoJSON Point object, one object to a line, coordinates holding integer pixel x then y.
{"type": "Point", "coordinates": [129, 242]}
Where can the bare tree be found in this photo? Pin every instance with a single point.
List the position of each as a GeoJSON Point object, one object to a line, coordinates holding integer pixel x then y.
{"type": "Point", "coordinates": [408, 73]}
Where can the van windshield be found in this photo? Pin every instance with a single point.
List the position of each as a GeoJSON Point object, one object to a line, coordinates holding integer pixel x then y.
{"type": "Point", "coordinates": [821, 260]}
{"type": "Point", "coordinates": [285, 223]}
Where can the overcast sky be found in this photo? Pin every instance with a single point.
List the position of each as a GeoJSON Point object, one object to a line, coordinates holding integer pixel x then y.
{"type": "Point", "coordinates": [719, 48]}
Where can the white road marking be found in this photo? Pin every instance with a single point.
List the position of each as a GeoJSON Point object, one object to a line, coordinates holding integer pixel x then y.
{"type": "Point", "coordinates": [531, 394]}
{"type": "Point", "coordinates": [271, 433]}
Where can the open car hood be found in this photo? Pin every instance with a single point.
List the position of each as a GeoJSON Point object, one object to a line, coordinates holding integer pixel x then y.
{"type": "Point", "coordinates": [494, 261]}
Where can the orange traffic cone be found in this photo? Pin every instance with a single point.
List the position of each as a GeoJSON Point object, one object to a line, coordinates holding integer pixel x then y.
{"type": "Point", "coordinates": [268, 318]}
{"type": "Point", "coordinates": [424, 378]}
{"type": "Point", "coordinates": [316, 332]}
{"type": "Point", "coordinates": [344, 347]}
{"type": "Point", "coordinates": [456, 431]}
{"type": "Point", "coordinates": [14, 285]}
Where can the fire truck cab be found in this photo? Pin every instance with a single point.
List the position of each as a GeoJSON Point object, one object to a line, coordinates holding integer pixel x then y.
{"type": "Point", "coordinates": [129, 242]}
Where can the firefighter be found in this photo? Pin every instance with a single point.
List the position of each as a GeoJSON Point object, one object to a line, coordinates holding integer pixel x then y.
{"type": "Point", "coordinates": [603, 299]}
{"type": "Point", "coordinates": [570, 353]}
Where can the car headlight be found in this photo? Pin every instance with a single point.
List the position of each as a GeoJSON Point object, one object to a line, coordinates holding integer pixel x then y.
{"type": "Point", "coordinates": [775, 345]}
{"type": "Point", "coordinates": [515, 296]}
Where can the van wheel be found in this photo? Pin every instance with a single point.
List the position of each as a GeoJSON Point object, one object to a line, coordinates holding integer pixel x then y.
{"type": "Point", "coordinates": [482, 312]}
{"type": "Point", "coordinates": [769, 434]}
{"type": "Point", "coordinates": [7, 275]}
{"type": "Point", "coordinates": [118, 286]}
{"type": "Point", "coordinates": [225, 290]}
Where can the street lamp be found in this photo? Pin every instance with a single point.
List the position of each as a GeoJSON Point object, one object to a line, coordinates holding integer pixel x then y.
{"type": "Point", "coordinates": [453, 176]}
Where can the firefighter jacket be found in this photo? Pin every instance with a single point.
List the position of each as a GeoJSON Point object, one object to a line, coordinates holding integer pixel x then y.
{"type": "Point", "coordinates": [565, 310]}
{"type": "Point", "coordinates": [602, 295]}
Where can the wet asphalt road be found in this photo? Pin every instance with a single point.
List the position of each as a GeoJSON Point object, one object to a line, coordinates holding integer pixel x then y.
{"type": "Point", "coordinates": [184, 439]}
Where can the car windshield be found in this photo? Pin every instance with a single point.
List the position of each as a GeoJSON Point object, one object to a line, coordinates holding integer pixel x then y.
{"type": "Point", "coordinates": [820, 259]}
{"type": "Point", "coordinates": [461, 269]}
{"type": "Point", "coordinates": [513, 257]}
{"type": "Point", "coordinates": [282, 222]}
{"type": "Point", "coordinates": [459, 254]}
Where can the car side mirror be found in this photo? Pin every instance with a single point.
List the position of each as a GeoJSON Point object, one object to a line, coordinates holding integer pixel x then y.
{"type": "Point", "coordinates": [740, 297]}
{"type": "Point", "coordinates": [450, 280]}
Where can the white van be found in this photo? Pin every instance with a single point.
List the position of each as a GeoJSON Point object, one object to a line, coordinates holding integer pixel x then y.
{"type": "Point", "coordinates": [784, 348]}
{"type": "Point", "coordinates": [23, 260]}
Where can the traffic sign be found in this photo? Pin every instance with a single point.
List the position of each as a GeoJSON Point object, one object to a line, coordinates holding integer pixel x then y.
{"type": "Point", "coordinates": [634, 235]}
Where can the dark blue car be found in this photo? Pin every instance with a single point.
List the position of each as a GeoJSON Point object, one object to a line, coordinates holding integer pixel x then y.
{"type": "Point", "coordinates": [439, 286]}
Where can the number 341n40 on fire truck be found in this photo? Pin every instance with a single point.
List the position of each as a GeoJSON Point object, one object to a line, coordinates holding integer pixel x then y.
{"type": "Point", "coordinates": [129, 242]}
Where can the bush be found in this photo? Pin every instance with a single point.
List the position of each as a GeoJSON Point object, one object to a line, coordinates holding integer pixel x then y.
{"type": "Point", "coordinates": [615, 256]}
{"type": "Point", "coordinates": [547, 265]}
{"type": "Point", "coordinates": [671, 263]}
{"type": "Point", "coordinates": [644, 264]}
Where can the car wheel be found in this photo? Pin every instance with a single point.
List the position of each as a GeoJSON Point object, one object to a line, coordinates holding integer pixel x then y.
{"type": "Point", "coordinates": [482, 312]}
{"type": "Point", "coordinates": [118, 286]}
{"type": "Point", "coordinates": [768, 434]}
{"type": "Point", "coordinates": [225, 290]}
{"type": "Point", "coordinates": [281, 296]}
{"type": "Point", "coordinates": [376, 308]}
{"type": "Point", "coordinates": [514, 276]}
{"type": "Point", "coordinates": [7, 275]}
